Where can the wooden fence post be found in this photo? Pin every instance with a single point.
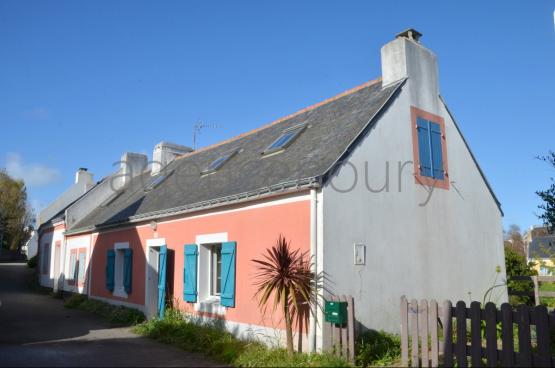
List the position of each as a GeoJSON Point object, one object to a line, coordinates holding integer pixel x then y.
{"type": "Point", "coordinates": [542, 336]}
{"type": "Point", "coordinates": [491, 334]}
{"type": "Point", "coordinates": [508, 347]}
{"type": "Point", "coordinates": [476, 334]}
{"type": "Point", "coordinates": [351, 327]}
{"type": "Point", "coordinates": [460, 346]}
{"type": "Point", "coordinates": [432, 320]}
{"type": "Point", "coordinates": [524, 339]}
{"type": "Point", "coordinates": [423, 324]}
{"type": "Point", "coordinates": [413, 311]}
{"type": "Point", "coordinates": [404, 332]}
{"type": "Point", "coordinates": [344, 342]}
{"type": "Point", "coordinates": [536, 290]}
{"type": "Point", "coordinates": [447, 333]}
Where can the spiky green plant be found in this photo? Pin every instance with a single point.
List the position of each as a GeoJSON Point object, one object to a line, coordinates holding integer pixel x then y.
{"type": "Point", "coordinates": [286, 275]}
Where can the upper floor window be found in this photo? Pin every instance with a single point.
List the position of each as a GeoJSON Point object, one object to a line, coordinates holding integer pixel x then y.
{"type": "Point", "coordinates": [219, 162]}
{"type": "Point", "coordinates": [429, 147]}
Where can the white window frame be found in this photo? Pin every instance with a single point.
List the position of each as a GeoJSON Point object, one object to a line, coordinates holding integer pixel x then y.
{"type": "Point", "coordinates": [119, 288]}
{"type": "Point", "coordinates": [207, 302]}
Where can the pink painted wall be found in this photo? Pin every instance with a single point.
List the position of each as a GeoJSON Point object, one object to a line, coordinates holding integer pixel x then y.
{"type": "Point", "coordinates": [254, 230]}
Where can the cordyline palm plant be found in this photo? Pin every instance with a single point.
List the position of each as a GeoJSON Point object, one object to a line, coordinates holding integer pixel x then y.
{"type": "Point", "coordinates": [286, 275]}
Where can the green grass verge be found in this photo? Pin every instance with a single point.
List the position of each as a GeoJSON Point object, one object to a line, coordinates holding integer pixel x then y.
{"type": "Point", "coordinates": [117, 315]}
{"type": "Point", "coordinates": [546, 300]}
{"type": "Point", "coordinates": [211, 339]}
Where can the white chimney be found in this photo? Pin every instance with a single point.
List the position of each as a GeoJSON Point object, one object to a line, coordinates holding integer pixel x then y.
{"type": "Point", "coordinates": [131, 165]}
{"type": "Point", "coordinates": [405, 57]}
{"type": "Point", "coordinates": [83, 176]}
{"type": "Point", "coordinates": [164, 153]}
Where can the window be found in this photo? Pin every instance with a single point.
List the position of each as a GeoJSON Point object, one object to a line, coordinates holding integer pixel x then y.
{"type": "Point", "coordinates": [72, 267]}
{"type": "Point", "coordinates": [81, 274]}
{"type": "Point", "coordinates": [285, 139]}
{"type": "Point", "coordinates": [430, 154]}
{"type": "Point", "coordinates": [216, 269]}
{"type": "Point", "coordinates": [219, 162]}
{"type": "Point", "coordinates": [157, 181]}
{"type": "Point", "coordinates": [546, 271]}
{"type": "Point", "coordinates": [119, 270]}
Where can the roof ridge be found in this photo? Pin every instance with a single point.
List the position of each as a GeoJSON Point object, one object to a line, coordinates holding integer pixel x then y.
{"type": "Point", "coordinates": [277, 121]}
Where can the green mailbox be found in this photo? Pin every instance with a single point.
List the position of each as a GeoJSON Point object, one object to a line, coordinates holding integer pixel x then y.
{"type": "Point", "coordinates": [335, 312]}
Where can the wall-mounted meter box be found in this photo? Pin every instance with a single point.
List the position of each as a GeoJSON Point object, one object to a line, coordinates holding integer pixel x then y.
{"type": "Point", "coordinates": [335, 312]}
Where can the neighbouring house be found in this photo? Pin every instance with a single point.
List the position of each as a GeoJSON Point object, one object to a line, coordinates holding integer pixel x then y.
{"type": "Point", "coordinates": [30, 248]}
{"type": "Point", "coordinates": [377, 184]}
{"type": "Point", "coordinates": [541, 252]}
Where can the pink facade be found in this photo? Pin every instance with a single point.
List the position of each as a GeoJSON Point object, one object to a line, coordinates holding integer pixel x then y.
{"type": "Point", "coordinates": [254, 227]}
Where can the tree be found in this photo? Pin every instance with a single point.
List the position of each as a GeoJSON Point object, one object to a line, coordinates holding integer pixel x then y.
{"type": "Point", "coordinates": [15, 213]}
{"type": "Point", "coordinates": [514, 240]}
{"type": "Point", "coordinates": [548, 197]}
{"type": "Point", "coordinates": [515, 265]}
{"type": "Point", "coordinates": [286, 275]}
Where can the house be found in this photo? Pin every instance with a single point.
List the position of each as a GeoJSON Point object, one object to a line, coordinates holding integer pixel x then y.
{"type": "Point", "coordinates": [541, 252]}
{"type": "Point", "coordinates": [377, 184]}
{"type": "Point", "coordinates": [63, 264]}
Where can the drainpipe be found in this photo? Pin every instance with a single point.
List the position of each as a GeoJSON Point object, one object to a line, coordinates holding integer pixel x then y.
{"type": "Point", "coordinates": [313, 252]}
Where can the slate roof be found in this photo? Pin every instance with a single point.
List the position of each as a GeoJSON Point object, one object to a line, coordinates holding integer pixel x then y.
{"type": "Point", "coordinates": [331, 127]}
{"type": "Point", "coordinates": [542, 247]}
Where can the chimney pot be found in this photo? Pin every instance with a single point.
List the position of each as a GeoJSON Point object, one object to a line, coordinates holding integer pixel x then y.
{"type": "Point", "coordinates": [410, 34]}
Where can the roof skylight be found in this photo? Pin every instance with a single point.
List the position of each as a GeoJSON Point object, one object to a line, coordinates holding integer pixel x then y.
{"type": "Point", "coordinates": [157, 181]}
{"type": "Point", "coordinates": [285, 139]}
{"type": "Point", "coordinates": [219, 162]}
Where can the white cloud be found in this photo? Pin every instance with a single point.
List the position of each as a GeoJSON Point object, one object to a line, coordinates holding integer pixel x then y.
{"type": "Point", "coordinates": [34, 175]}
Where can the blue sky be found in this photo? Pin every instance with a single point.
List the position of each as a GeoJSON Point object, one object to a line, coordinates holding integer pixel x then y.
{"type": "Point", "coordinates": [83, 82]}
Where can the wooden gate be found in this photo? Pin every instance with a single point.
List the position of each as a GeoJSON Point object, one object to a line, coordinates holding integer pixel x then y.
{"type": "Point", "coordinates": [489, 336]}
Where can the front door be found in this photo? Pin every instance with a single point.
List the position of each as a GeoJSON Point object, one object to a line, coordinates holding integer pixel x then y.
{"type": "Point", "coordinates": [162, 259]}
{"type": "Point", "coordinates": [152, 282]}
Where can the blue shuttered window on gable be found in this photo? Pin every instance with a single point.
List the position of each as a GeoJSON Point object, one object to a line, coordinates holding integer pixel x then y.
{"type": "Point", "coordinates": [110, 264]}
{"type": "Point", "coordinates": [227, 296]}
{"type": "Point", "coordinates": [190, 273]}
{"type": "Point", "coordinates": [128, 270]}
{"type": "Point", "coordinates": [430, 152]}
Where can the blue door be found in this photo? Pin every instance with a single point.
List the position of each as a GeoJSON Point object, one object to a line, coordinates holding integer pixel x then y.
{"type": "Point", "coordinates": [162, 281]}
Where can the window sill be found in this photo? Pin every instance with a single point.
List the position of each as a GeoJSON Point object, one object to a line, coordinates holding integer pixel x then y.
{"type": "Point", "coordinates": [211, 305]}
{"type": "Point", "coordinates": [120, 292]}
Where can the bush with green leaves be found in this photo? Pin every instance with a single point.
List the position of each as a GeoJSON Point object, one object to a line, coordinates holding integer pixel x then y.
{"type": "Point", "coordinates": [516, 265]}
{"type": "Point", "coordinates": [375, 348]}
{"type": "Point", "coordinates": [213, 340]}
{"type": "Point", "coordinates": [116, 314]}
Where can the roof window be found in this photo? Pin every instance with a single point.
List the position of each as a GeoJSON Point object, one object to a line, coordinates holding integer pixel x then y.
{"type": "Point", "coordinates": [159, 179]}
{"type": "Point", "coordinates": [219, 162]}
{"type": "Point", "coordinates": [285, 139]}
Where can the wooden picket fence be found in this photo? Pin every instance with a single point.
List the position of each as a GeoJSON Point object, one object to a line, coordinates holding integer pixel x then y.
{"type": "Point", "coordinates": [421, 324]}
{"type": "Point", "coordinates": [343, 336]}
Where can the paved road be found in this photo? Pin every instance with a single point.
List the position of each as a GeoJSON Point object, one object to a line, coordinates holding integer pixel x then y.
{"type": "Point", "coordinates": [36, 330]}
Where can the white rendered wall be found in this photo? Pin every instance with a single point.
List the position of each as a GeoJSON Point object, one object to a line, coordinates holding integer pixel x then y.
{"type": "Point", "coordinates": [448, 248]}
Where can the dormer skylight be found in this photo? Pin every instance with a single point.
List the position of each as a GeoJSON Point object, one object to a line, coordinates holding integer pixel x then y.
{"type": "Point", "coordinates": [219, 162]}
{"type": "Point", "coordinates": [285, 139]}
{"type": "Point", "coordinates": [157, 180]}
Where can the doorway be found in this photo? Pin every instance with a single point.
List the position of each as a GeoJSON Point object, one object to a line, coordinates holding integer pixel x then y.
{"type": "Point", "coordinates": [159, 279]}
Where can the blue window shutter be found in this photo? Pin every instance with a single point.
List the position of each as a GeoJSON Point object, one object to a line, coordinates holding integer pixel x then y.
{"type": "Point", "coordinates": [190, 273]}
{"type": "Point", "coordinates": [162, 281]}
{"type": "Point", "coordinates": [227, 296]}
{"type": "Point", "coordinates": [437, 153]}
{"type": "Point", "coordinates": [128, 270]}
{"type": "Point", "coordinates": [424, 152]}
{"type": "Point", "coordinates": [110, 263]}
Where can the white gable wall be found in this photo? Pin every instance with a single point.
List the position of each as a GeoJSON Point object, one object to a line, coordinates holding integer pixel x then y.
{"type": "Point", "coordinates": [447, 249]}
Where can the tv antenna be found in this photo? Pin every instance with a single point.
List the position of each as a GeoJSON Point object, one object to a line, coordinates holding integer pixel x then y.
{"type": "Point", "coordinates": [199, 125]}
